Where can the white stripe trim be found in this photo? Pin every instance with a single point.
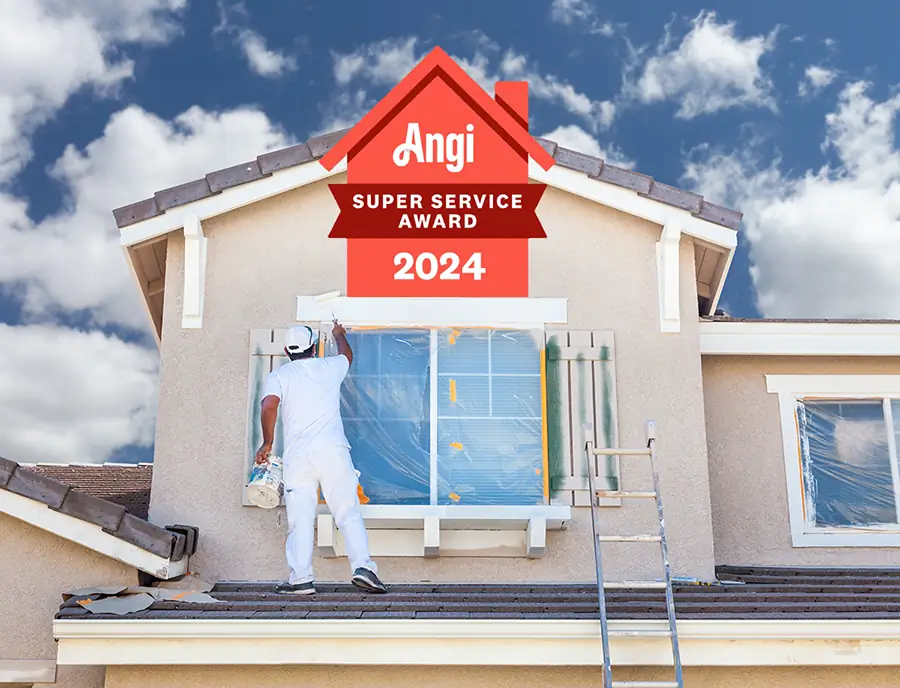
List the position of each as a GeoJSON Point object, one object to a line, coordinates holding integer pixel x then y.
{"type": "Point", "coordinates": [523, 313]}
{"type": "Point", "coordinates": [473, 642]}
{"type": "Point", "coordinates": [799, 339]}
{"type": "Point", "coordinates": [27, 671]}
{"type": "Point", "coordinates": [88, 535]}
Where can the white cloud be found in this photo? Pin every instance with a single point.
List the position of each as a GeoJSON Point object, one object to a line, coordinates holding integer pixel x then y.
{"type": "Point", "coordinates": [575, 138]}
{"type": "Point", "coordinates": [711, 69]}
{"type": "Point", "coordinates": [825, 243]}
{"type": "Point", "coordinates": [72, 261]}
{"type": "Point", "coordinates": [816, 78]}
{"type": "Point", "coordinates": [59, 47]}
{"type": "Point", "coordinates": [265, 62]}
{"type": "Point", "coordinates": [580, 13]}
{"type": "Point", "coordinates": [384, 63]}
{"type": "Point", "coordinates": [262, 60]}
{"type": "Point", "coordinates": [69, 396]}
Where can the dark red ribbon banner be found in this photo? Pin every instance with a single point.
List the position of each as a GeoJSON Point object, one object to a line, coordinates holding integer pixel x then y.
{"type": "Point", "coordinates": [460, 211]}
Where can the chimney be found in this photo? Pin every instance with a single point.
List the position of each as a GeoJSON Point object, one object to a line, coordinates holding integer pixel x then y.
{"type": "Point", "coordinates": [513, 97]}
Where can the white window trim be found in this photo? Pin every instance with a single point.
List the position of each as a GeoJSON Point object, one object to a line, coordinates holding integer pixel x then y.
{"type": "Point", "coordinates": [415, 530]}
{"type": "Point", "coordinates": [791, 388]}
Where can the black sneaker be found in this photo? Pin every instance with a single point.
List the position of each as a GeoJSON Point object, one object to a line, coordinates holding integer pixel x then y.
{"type": "Point", "coordinates": [368, 581]}
{"type": "Point", "coordinates": [295, 589]}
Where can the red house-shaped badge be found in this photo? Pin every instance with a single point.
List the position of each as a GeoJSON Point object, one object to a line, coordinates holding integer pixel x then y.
{"type": "Point", "coordinates": [437, 201]}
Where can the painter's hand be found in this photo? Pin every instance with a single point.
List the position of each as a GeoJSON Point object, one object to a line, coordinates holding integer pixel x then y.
{"type": "Point", "coordinates": [262, 456]}
{"type": "Point", "coordinates": [338, 329]}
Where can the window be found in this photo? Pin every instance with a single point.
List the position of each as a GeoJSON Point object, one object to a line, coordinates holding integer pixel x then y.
{"type": "Point", "coordinates": [446, 416]}
{"type": "Point", "coordinates": [845, 488]}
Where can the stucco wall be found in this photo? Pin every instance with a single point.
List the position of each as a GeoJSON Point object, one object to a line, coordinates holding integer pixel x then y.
{"type": "Point", "coordinates": [495, 677]}
{"type": "Point", "coordinates": [260, 257]}
{"type": "Point", "coordinates": [37, 567]}
{"type": "Point", "coordinates": [746, 462]}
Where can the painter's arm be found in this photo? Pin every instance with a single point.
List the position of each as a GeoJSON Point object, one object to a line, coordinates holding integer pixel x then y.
{"type": "Point", "coordinates": [268, 415]}
{"type": "Point", "coordinates": [340, 338]}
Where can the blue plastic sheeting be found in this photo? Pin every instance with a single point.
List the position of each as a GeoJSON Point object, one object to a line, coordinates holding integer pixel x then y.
{"type": "Point", "coordinates": [488, 418]}
{"type": "Point", "coordinates": [846, 463]}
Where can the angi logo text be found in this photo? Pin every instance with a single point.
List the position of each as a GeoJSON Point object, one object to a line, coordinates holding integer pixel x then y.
{"type": "Point", "coordinates": [452, 150]}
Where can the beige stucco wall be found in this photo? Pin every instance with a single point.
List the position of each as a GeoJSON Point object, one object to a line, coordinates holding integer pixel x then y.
{"type": "Point", "coordinates": [746, 461]}
{"type": "Point", "coordinates": [35, 569]}
{"type": "Point", "coordinates": [262, 256]}
{"type": "Point", "coordinates": [494, 677]}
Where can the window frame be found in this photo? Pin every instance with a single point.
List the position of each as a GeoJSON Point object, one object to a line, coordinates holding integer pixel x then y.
{"type": "Point", "coordinates": [434, 410]}
{"type": "Point", "coordinates": [793, 388]}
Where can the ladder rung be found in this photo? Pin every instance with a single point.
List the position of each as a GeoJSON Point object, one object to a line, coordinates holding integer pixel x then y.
{"type": "Point", "coordinates": [612, 494]}
{"type": "Point", "coordinates": [624, 585]}
{"type": "Point", "coordinates": [646, 684]}
{"type": "Point", "coordinates": [629, 538]}
{"type": "Point", "coordinates": [641, 634]}
{"type": "Point", "coordinates": [620, 452]}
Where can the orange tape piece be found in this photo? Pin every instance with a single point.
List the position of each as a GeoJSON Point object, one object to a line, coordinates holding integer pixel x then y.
{"type": "Point", "coordinates": [455, 497]}
{"type": "Point", "coordinates": [363, 499]}
{"type": "Point", "coordinates": [451, 338]}
{"type": "Point", "coordinates": [453, 391]}
{"type": "Point", "coordinates": [456, 445]}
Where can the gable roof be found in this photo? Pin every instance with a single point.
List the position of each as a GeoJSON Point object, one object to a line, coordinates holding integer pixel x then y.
{"type": "Point", "coordinates": [100, 524]}
{"type": "Point", "coordinates": [317, 147]}
{"type": "Point", "coordinates": [438, 64]}
{"type": "Point", "coordinates": [127, 485]}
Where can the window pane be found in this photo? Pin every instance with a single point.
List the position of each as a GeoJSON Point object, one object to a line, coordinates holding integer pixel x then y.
{"type": "Point", "coordinates": [490, 420]}
{"type": "Point", "coordinates": [386, 413]}
{"type": "Point", "coordinates": [846, 463]}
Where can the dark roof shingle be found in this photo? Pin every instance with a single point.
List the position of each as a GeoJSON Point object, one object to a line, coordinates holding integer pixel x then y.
{"type": "Point", "coordinates": [125, 485]}
{"type": "Point", "coordinates": [740, 593]}
{"type": "Point", "coordinates": [316, 147]}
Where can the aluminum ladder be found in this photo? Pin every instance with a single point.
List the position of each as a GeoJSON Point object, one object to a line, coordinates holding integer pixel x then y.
{"type": "Point", "coordinates": [602, 585]}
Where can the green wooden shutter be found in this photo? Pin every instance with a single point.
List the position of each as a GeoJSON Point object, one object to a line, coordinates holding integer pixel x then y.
{"type": "Point", "coordinates": [581, 389]}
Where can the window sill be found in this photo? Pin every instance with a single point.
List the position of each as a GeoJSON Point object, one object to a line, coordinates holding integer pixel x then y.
{"type": "Point", "coordinates": [461, 531]}
{"type": "Point", "coordinates": [847, 538]}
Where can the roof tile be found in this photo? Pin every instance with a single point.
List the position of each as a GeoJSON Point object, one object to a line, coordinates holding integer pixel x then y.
{"type": "Point", "coordinates": [182, 194]}
{"type": "Point", "coordinates": [548, 145]}
{"type": "Point", "coordinates": [145, 535]}
{"type": "Point", "coordinates": [627, 178]}
{"type": "Point", "coordinates": [675, 197]}
{"type": "Point", "coordinates": [719, 215]}
{"type": "Point", "coordinates": [136, 212]}
{"type": "Point", "coordinates": [6, 470]}
{"type": "Point", "coordinates": [320, 145]}
{"type": "Point", "coordinates": [97, 511]}
{"type": "Point", "coordinates": [286, 157]}
{"type": "Point", "coordinates": [37, 487]}
{"type": "Point", "coordinates": [574, 160]}
{"type": "Point", "coordinates": [234, 176]}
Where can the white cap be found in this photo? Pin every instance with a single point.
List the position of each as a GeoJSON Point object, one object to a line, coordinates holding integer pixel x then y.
{"type": "Point", "coordinates": [298, 339]}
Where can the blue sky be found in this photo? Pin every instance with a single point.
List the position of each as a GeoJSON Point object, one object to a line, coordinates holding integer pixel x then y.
{"type": "Point", "coordinates": [786, 111]}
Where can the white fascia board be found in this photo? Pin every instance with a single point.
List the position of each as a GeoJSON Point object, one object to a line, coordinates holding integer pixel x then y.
{"type": "Point", "coordinates": [88, 535]}
{"type": "Point", "coordinates": [483, 642]}
{"type": "Point", "coordinates": [27, 671]}
{"type": "Point", "coordinates": [799, 339]}
{"type": "Point", "coordinates": [434, 312]}
{"type": "Point", "coordinates": [228, 200]}
{"type": "Point", "coordinates": [846, 386]}
{"type": "Point", "coordinates": [628, 201]}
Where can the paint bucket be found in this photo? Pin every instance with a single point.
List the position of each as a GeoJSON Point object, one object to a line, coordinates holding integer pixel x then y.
{"type": "Point", "coordinates": [265, 487]}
